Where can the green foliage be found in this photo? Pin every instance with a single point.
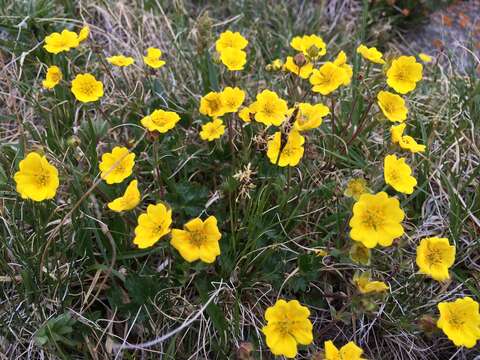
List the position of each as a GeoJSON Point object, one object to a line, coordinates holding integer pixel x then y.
{"type": "Point", "coordinates": [63, 250]}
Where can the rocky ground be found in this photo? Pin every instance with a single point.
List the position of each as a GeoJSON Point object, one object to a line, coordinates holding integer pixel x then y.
{"type": "Point", "coordinates": [453, 30]}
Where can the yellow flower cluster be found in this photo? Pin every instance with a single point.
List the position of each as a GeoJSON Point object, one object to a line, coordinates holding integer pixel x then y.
{"type": "Point", "coordinates": [230, 46]}
{"type": "Point", "coordinates": [66, 40]}
{"type": "Point", "coordinates": [376, 217]}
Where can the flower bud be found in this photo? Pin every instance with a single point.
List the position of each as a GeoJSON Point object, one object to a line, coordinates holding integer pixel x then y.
{"type": "Point", "coordinates": [299, 60]}
{"type": "Point", "coordinates": [152, 136]}
{"type": "Point", "coordinates": [245, 350]}
{"type": "Point", "coordinates": [74, 141]}
{"type": "Point", "coordinates": [428, 324]}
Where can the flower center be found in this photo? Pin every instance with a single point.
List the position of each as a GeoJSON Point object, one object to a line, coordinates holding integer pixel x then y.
{"type": "Point", "coordinates": [214, 105]}
{"type": "Point", "coordinates": [389, 108]}
{"type": "Point", "coordinates": [55, 77]}
{"type": "Point", "coordinates": [158, 120]}
{"type": "Point", "coordinates": [197, 238]}
{"type": "Point", "coordinates": [434, 257]}
{"type": "Point", "coordinates": [326, 79]}
{"type": "Point", "coordinates": [456, 319]}
{"type": "Point", "coordinates": [42, 179]}
{"type": "Point", "coordinates": [269, 109]}
{"type": "Point", "coordinates": [302, 119]}
{"type": "Point", "coordinates": [401, 75]}
{"type": "Point", "coordinates": [88, 88]}
{"type": "Point", "coordinates": [393, 175]}
{"type": "Point", "coordinates": [288, 151]}
{"type": "Point", "coordinates": [373, 218]}
{"type": "Point", "coordinates": [120, 168]}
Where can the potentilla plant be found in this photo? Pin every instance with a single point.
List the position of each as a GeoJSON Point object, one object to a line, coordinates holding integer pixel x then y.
{"type": "Point", "coordinates": [264, 135]}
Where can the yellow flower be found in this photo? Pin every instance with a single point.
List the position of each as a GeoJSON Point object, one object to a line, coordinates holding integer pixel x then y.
{"type": "Point", "coordinates": [397, 174]}
{"type": "Point", "coordinates": [153, 58]}
{"type": "Point", "coordinates": [152, 225]}
{"type": "Point", "coordinates": [198, 240]}
{"type": "Point", "coordinates": [160, 120]}
{"type": "Point", "coordinates": [58, 42]}
{"type": "Point", "coordinates": [366, 286]}
{"type": "Point", "coordinates": [86, 88]}
{"type": "Point", "coordinates": [211, 105]}
{"type": "Point", "coordinates": [408, 143]}
{"type": "Point", "coordinates": [460, 321]}
{"type": "Point", "coordinates": [269, 108]}
{"type": "Point", "coordinates": [246, 114]}
{"type": "Point", "coordinates": [84, 33]}
{"type": "Point", "coordinates": [303, 71]}
{"type": "Point", "coordinates": [355, 188]}
{"type": "Point", "coordinates": [230, 39]}
{"type": "Point", "coordinates": [212, 130]}
{"type": "Point", "coordinates": [396, 133]}
{"type": "Point", "coordinates": [232, 99]}
{"type": "Point", "coordinates": [117, 165]}
{"type": "Point", "coordinates": [425, 58]}
{"type": "Point", "coordinates": [287, 326]}
{"type": "Point", "coordinates": [392, 106]}
{"type": "Point", "coordinates": [36, 179]}
{"type": "Point", "coordinates": [233, 59]}
{"type": "Point", "coordinates": [434, 257]}
{"type": "Point", "coordinates": [404, 73]}
{"type": "Point", "coordinates": [327, 79]}
{"type": "Point", "coordinates": [53, 77]}
{"type": "Point", "coordinates": [120, 60]}
{"type": "Point", "coordinates": [309, 116]}
{"type": "Point", "coordinates": [376, 220]}
{"type": "Point", "coordinates": [312, 46]}
{"type": "Point", "coordinates": [371, 54]}
{"type": "Point", "coordinates": [276, 65]}
{"type": "Point", "coordinates": [291, 153]}
{"type": "Point", "coordinates": [349, 351]}
{"type": "Point", "coordinates": [128, 201]}
{"type": "Point", "coordinates": [341, 61]}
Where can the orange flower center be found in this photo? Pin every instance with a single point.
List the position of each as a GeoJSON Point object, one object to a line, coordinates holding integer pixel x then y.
{"type": "Point", "coordinates": [55, 77]}
{"type": "Point", "coordinates": [214, 105]}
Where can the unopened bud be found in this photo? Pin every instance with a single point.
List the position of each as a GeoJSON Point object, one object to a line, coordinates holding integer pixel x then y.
{"type": "Point", "coordinates": [428, 324]}
{"type": "Point", "coordinates": [245, 350]}
{"type": "Point", "coordinates": [152, 136]}
{"type": "Point", "coordinates": [74, 141]}
{"type": "Point", "coordinates": [299, 60]}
